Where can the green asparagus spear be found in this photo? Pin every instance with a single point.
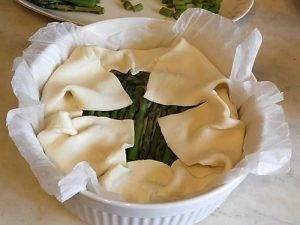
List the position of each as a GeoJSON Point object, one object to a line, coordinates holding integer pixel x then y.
{"type": "Point", "coordinates": [84, 3]}
{"type": "Point", "coordinates": [172, 109]}
{"type": "Point", "coordinates": [162, 143]}
{"type": "Point", "coordinates": [168, 156]}
{"type": "Point", "coordinates": [151, 123]}
{"type": "Point", "coordinates": [45, 2]}
{"type": "Point", "coordinates": [138, 93]}
{"type": "Point", "coordinates": [142, 135]}
{"type": "Point", "coordinates": [130, 89]}
{"type": "Point", "coordinates": [132, 153]}
{"type": "Point", "coordinates": [63, 7]}
{"type": "Point", "coordinates": [114, 114]}
{"type": "Point", "coordinates": [122, 113]}
{"type": "Point", "coordinates": [98, 113]}
{"type": "Point", "coordinates": [139, 79]}
{"type": "Point", "coordinates": [157, 137]}
{"type": "Point", "coordinates": [87, 113]}
{"type": "Point", "coordinates": [105, 114]}
{"type": "Point", "coordinates": [154, 142]}
{"type": "Point", "coordinates": [143, 76]}
{"type": "Point", "coordinates": [159, 151]}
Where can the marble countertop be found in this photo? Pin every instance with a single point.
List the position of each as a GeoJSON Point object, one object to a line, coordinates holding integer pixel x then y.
{"type": "Point", "coordinates": [259, 200]}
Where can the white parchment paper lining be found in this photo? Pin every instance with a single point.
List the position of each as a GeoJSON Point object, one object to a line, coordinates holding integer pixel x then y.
{"type": "Point", "coordinates": [267, 148]}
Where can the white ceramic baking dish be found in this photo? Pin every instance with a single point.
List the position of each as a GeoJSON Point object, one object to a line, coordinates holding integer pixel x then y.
{"type": "Point", "coordinates": [97, 210]}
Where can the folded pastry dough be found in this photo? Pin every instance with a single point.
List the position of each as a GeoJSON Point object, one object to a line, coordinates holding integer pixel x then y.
{"type": "Point", "coordinates": [209, 134]}
{"type": "Point", "coordinates": [138, 181]}
{"type": "Point", "coordinates": [183, 76]}
{"type": "Point", "coordinates": [100, 141]}
{"type": "Point", "coordinates": [84, 80]}
{"type": "Point", "coordinates": [152, 181]}
{"type": "Point", "coordinates": [188, 181]}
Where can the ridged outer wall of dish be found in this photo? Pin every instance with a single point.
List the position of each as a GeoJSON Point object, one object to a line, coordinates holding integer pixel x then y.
{"type": "Point", "coordinates": [96, 212]}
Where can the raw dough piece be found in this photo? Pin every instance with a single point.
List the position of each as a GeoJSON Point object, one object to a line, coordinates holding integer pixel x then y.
{"type": "Point", "coordinates": [145, 181]}
{"type": "Point", "coordinates": [84, 80]}
{"type": "Point", "coordinates": [98, 140]}
{"type": "Point", "coordinates": [183, 76]}
{"type": "Point", "coordinates": [209, 134]}
{"type": "Point", "coordinates": [138, 181]}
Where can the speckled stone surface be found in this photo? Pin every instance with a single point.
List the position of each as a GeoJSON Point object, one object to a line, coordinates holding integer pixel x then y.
{"type": "Point", "coordinates": [270, 200]}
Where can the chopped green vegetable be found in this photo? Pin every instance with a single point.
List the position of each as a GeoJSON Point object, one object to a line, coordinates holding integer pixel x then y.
{"type": "Point", "coordinates": [135, 8]}
{"type": "Point", "coordinates": [166, 12]}
{"type": "Point", "coordinates": [138, 7]}
{"type": "Point", "coordinates": [180, 6]}
{"type": "Point", "coordinates": [127, 5]}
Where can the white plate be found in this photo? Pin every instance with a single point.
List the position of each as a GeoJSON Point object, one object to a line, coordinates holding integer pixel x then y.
{"type": "Point", "coordinates": [232, 9]}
